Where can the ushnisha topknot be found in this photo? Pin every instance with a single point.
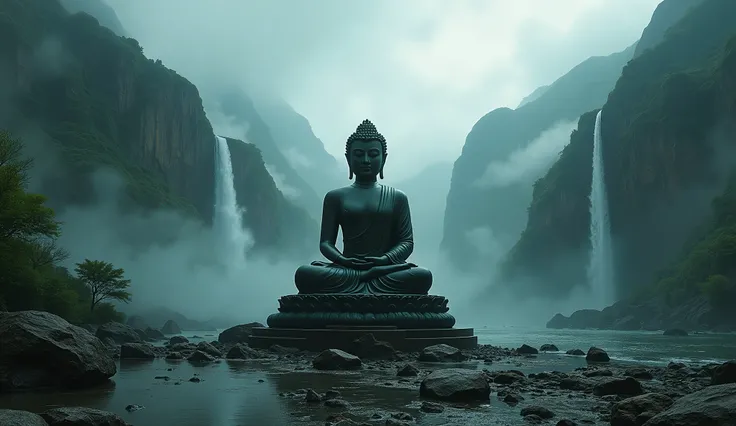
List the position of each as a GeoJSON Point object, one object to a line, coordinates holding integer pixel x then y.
{"type": "Point", "coordinates": [366, 131]}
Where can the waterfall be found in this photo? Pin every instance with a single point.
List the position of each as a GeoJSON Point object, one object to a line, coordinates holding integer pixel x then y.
{"type": "Point", "coordinates": [232, 239]}
{"type": "Point", "coordinates": [600, 268]}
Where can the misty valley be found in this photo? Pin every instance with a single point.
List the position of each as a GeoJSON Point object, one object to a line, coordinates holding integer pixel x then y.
{"type": "Point", "coordinates": [178, 246]}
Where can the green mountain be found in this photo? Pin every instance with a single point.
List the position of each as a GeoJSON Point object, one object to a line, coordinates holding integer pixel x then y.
{"type": "Point", "coordinates": [475, 202]}
{"type": "Point", "coordinates": [668, 134]}
{"type": "Point", "coordinates": [87, 99]}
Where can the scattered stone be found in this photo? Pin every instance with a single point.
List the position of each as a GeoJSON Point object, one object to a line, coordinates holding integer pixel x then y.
{"type": "Point", "coordinates": [598, 372]}
{"type": "Point", "coordinates": [238, 334]}
{"type": "Point", "coordinates": [81, 416]}
{"type": "Point", "coordinates": [241, 351]}
{"type": "Point", "coordinates": [137, 351]}
{"type": "Point", "coordinates": [119, 333]}
{"type": "Point", "coordinates": [199, 356]}
{"type": "Point", "coordinates": [507, 377]}
{"type": "Point", "coordinates": [72, 357]}
{"type": "Point", "coordinates": [336, 403]}
{"type": "Point", "coordinates": [548, 347]}
{"type": "Point", "coordinates": [456, 384]}
{"type": "Point", "coordinates": [566, 422]}
{"type": "Point", "coordinates": [441, 353]}
{"type": "Point", "coordinates": [527, 350]}
{"type": "Point", "coordinates": [195, 379]}
{"type": "Point", "coordinates": [133, 407]}
{"type": "Point", "coordinates": [512, 399]}
{"type": "Point", "coordinates": [640, 373]}
{"type": "Point", "coordinates": [675, 332]}
{"type": "Point", "coordinates": [178, 340]}
{"type": "Point", "coordinates": [408, 370]}
{"type": "Point", "coordinates": [369, 348]}
{"type": "Point", "coordinates": [536, 410]}
{"type": "Point", "coordinates": [627, 386]}
{"type": "Point", "coordinates": [170, 327]}
{"type": "Point", "coordinates": [209, 349]}
{"type": "Point", "coordinates": [335, 359]}
{"type": "Point", "coordinates": [724, 373]}
{"type": "Point", "coordinates": [331, 394]}
{"type": "Point", "coordinates": [174, 356]}
{"type": "Point", "coordinates": [431, 407]}
{"type": "Point", "coordinates": [154, 334]}
{"type": "Point", "coordinates": [597, 355]}
{"type": "Point", "coordinates": [20, 418]}
{"type": "Point", "coordinates": [312, 396]}
{"type": "Point", "coordinates": [714, 405]}
{"type": "Point", "coordinates": [575, 352]}
{"type": "Point", "coordinates": [635, 411]}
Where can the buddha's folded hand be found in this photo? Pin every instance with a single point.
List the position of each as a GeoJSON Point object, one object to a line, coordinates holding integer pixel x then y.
{"type": "Point", "coordinates": [355, 263]}
{"type": "Point", "coordinates": [378, 261]}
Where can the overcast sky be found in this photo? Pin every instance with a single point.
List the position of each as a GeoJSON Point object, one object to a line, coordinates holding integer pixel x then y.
{"type": "Point", "coordinates": [424, 71]}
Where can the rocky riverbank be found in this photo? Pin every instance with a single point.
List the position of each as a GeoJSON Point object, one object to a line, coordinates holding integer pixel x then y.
{"type": "Point", "coordinates": [443, 385]}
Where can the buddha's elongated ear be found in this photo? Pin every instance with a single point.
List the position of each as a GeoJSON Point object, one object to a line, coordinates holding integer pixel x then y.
{"type": "Point", "coordinates": [347, 158]}
{"type": "Point", "coordinates": [383, 163]}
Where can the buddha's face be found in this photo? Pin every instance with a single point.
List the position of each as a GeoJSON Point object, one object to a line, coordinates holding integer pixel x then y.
{"type": "Point", "coordinates": [365, 158]}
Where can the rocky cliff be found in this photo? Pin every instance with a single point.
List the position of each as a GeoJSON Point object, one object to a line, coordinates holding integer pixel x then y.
{"type": "Point", "coordinates": [476, 200]}
{"type": "Point", "coordinates": [93, 100]}
{"type": "Point", "coordinates": [668, 136]}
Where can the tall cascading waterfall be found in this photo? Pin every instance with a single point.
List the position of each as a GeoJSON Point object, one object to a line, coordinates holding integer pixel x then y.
{"type": "Point", "coordinates": [232, 239]}
{"type": "Point", "coordinates": [600, 268]}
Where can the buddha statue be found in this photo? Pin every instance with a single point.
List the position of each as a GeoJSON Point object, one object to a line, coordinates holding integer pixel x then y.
{"type": "Point", "coordinates": [376, 226]}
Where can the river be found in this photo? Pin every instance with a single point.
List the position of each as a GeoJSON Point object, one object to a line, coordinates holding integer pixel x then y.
{"type": "Point", "coordinates": [249, 393]}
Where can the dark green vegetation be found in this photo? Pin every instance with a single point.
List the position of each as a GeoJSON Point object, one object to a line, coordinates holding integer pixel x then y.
{"type": "Point", "coordinates": [85, 100]}
{"type": "Point", "coordinates": [105, 282]}
{"type": "Point", "coordinates": [668, 132]}
{"type": "Point", "coordinates": [496, 136]}
{"type": "Point", "coordinates": [30, 275]}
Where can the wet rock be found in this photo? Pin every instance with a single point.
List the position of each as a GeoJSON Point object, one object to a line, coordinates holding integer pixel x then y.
{"type": "Point", "coordinates": [72, 357]}
{"type": "Point", "coordinates": [640, 373]}
{"type": "Point", "coordinates": [178, 340]}
{"type": "Point", "coordinates": [312, 396]}
{"type": "Point", "coordinates": [199, 356]}
{"type": "Point", "coordinates": [598, 372]}
{"type": "Point", "coordinates": [331, 394]}
{"type": "Point", "coordinates": [238, 334]}
{"type": "Point", "coordinates": [118, 333]}
{"type": "Point", "coordinates": [713, 406]}
{"type": "Point", "coordinates": [675, 332]}
{"type": "Point", "coordinates": [431, 407]}
{"type": "Point", "coordinates": [408, 370]}
{"type": "Point", "coordinates": [335, 359]}
{"type": "Point", "coordinates": [141, 334]}
{"type": "Point", "coordinates": [507, 377]}
{"type": "Point", "coordinates": [635, 411]}
{"type": "Point", "coordinates": [336, 403]}
{"type": "Point", "coordinates": [136, 321]}
{"type": "Point", "coordinates": [195, 379]}
{"type": "Point", "coordinates": [628, 386]}
{"type": "Point", "coordinates": [81, 416]}
{"type": "Point", "coordinates": [575, 352]}
{"type": "Point", "coordinates": [597, 355]}
{"type": "Point", "coordinates": [241, 351]}
{"type": "Point", "coordinates": [170, 327]}
{"type": "Point", "coordinates": [282, 350]}
{"type": "Point", "coordinates": [456, 384]}
{"type": "Point", "coordinates": [526, 350]}
{"type": "Point", "coordinates": [137, 351]}
{"type": "Point", "coordinates": [676, 366]}
{"type": "Point", "coordinates": [154, 334]}
{"type": "Point", "coordinates": [548, 347]}
{"type": "Point", "coordinates": [536, 410]}
{"type": "Point", "coordinates": [533, 419]}
{"type": "Point", "coordinates": [724, 373]}
{"type": "Point", "coordinates": [133, 407]}
{"type": "Point", "coordinates": [441, 353]}
{"type": "Point", "coordinates": [574, 384]}
{"type": "Point", "coordinates": [566, 422]}
{"type": "Point", "coordinates": [512, 398]}
{"type": "Point", "coordinates": [209, 349]}
{"type": "Point", "coordinates": [20, 418]}
{"type": "Point", "coordinates": [174, 356]}
{"type": "Point", "coordinates": [368, 347]}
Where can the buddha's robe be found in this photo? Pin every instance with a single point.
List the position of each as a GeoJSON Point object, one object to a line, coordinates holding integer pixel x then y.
{"type": "Point", "coordinates": [375, 222]}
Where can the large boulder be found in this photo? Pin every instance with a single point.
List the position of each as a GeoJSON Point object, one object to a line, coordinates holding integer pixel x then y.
{"type": "Point", "coordinates": [441, 353]}
{"type": "Point", "coordinates": [20, 418]}
{"type": "Point", "coordinates": [335, 359]}
{"type": "Point", "coordinates": [137, 351]}
{"type": "Point", "coordinates": [636, 410]}
{"type": "Point", "coordinates": [239, 333]}
{"type": "Point", "coordinates": [724, 373]}
{"type": "Point", "coordinates": [456, 384]}
{"type": "Point", "coordinates": [118, 333]}
{"type": "Point", "coordinates": [40, 349]}
{"type": "Point", "coordinates": [712, 406]}
{"type": "Point", "coordinates": [81, 416]}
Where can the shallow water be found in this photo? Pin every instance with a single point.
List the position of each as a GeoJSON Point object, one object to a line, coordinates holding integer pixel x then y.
{"type": "Point", "coordinates": [248, 393]}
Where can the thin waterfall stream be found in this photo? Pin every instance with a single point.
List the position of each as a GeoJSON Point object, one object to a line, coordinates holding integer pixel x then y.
{"type": "Point", "coordinates": [233, 240]}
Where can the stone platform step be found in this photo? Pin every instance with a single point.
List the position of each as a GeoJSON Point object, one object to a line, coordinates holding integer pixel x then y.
{"type": "Point", "coordinates": [343, 337]}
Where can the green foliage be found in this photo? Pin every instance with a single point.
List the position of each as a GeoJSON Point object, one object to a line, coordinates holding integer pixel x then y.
{"type": "Point", "coordinates": [30, 277]}
{"type": "Point", "coordinates": [105, 282]}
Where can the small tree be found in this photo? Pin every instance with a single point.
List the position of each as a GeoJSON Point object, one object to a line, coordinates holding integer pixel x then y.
{"type": "Point", "coordinates": [105, 282]}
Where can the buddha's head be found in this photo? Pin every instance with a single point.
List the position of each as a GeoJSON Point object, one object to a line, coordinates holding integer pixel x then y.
{"type": "Point", "coordinates": [366, 152]}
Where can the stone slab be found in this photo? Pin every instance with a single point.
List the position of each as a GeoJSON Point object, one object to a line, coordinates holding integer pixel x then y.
{"type": "Point", "coordinates": [407, 340]}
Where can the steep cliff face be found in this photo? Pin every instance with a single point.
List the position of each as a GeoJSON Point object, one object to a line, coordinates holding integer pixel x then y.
{"type": "Point", "coordinates": [274, 222]}
{"type": "Point", "coordinates": [661, 126]}
{"type": "Point", "coordinates": [665, 16]}
{"type": "Point", "coordinates": [90, 100]}
{"type": "Point", "coordinates": [104, 14]}
{"type": "Point", "coordinates": [474, 201]}
{"type": "Point", "coordinates": [304, 151]}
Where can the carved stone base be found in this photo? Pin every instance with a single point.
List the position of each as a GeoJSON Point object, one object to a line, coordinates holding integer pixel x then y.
{"type": "Point", "coordinates": [325, 310]}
